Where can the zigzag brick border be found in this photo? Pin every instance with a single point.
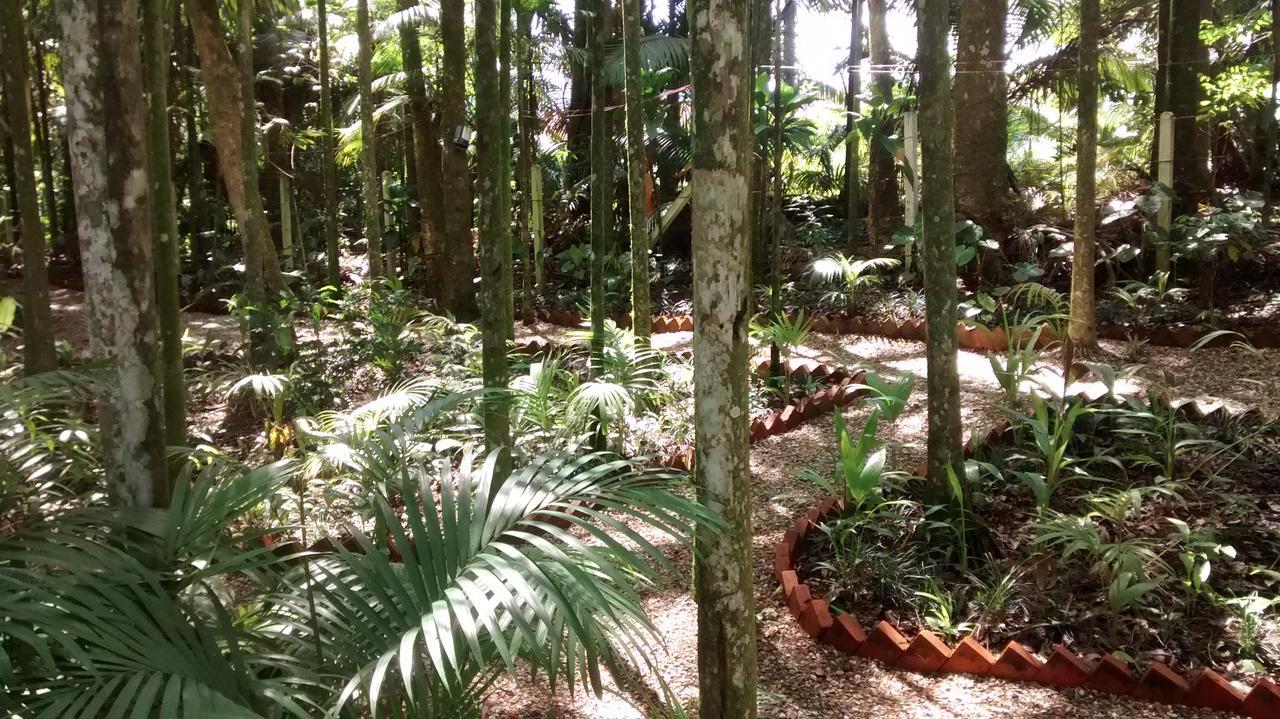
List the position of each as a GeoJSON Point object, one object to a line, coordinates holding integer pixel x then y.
{"type": "Point", "coordinates": [1062, 668]}
{"type": "Point", "coordinates": [972, 337]}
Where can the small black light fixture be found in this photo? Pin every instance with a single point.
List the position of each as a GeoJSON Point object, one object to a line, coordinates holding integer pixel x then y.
{"type": "Point", "coordinates": [462, 136]}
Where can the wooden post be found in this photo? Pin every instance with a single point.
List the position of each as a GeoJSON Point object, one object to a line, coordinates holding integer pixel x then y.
{"type": "Point", "coordinates": [535, 223]}
{"type": "Point", "coordinates": [911, 200]}
{"type": "Point", "coordinates": [1164, 175]}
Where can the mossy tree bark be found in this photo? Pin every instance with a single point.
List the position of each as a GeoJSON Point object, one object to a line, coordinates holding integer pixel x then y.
{"type": "Point", "coordinates": [328, 170]}
{"type": "Point", "coordinates": [424, 159]}
{"type": "Point", "coordinates": [1082, 331]}
{"type": "Point", "coordinates": [456, 258]}
{"type": "Point", "coordinates": [369, 183]}
{"type": "Point", "coordinates": [981, 97]}
{"type": "Point", "coordinates": [103, 78]}
{"type": "Point", "coordinates": [494, 241]}
{"type": "Point", "coordinates": [937, 127]}
{"type": "Point", "coordinates": [852, 156]}
{"type": "Point", "coordinates": [721, 203]}
{"type": "Point", "coordinates": [637, 171]}
{"type": "Point", "coordinates": [38, 354]}
{"type": "Point", "coordinates": [884, 205]}
{"type": "Point", "coordinates": [164, 218]}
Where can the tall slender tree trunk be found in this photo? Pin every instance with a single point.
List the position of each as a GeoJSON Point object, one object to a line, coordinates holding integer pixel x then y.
{"type": "Point", "coordinates": [329, 191]}
{"type": "Point", "coordinates": [44, 138]}
{"type": "Point", "coordinates": [981, 97]}
{"type": "Point", "coordinates": [106, 117]}
{"type": "Point", "coordinates": [457, 256]}
{"type": "Point", "coordinates": [494, 241]}
{"type": "Point", "coordinates": [1270, 135]}
{"type": "Point", "coordinates": [1188, 61]}
{"type": "Point", "coordinates": [1082, 331]}
{"type": "Point", "coordinates": [425, 137]}
{"type": "Point", "coordinates": [198, 219]}
{"type": "Point", "coordinates": [637, 170]}
{"type": "Point", "coordinates": [38, 353]}
{"type": "Point", "coordinates": [776, 220]}
{"type": "Point", "coordinates": [525, 121]}
{"type": "Point", "coordinates": [884, 205]}
{"type": "Point", "coordinates": [504, 188]}
{"type": "Point", "coordinates": [233, 120]}
{"type": "Point", "coordinates": [1161, 88]}
{"type": "Point", "coordinates": [578, 123]}
{"type": "Point", "coordinates": [788, 40]}
{"type": "Point", "coordinates": [601, 188]}
{"type": "Point", "coordinates": [852, 158]}
{"type": "Point", "coordinates": [937, 127]}
{"type": "Point", "coordinates": [164, 219]}
{"type": "Point", "coordinates": [369, 144]}
{"type": "Point", "coordinates": [722, 148]}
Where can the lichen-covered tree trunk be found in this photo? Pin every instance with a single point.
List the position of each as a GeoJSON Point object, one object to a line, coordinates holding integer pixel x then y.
{"type": "Point", "coordinates": [328, 171]}
{"type": "Point", "coordinates": [884, 205]}
{"type": "Point", "coordinates": [637, 162]}
{"type": "Point", "coordinates": [937, 124]}
{"type": "Point", "coordinates": [372, 192]}
{"type": "Point", "coordinates": [106, 116]}
{"type": "Point", "coordinates": [164, 220]}
{"type": "Point", "coordinates": [721, 203]}
{"type": "Point", "coordinates": [38, 353]}
{"type": "Point", "coordinates": [229, 119]}
{"type": "Point", "coordinates": [852, 158]}
{"type": "Point", "coordinates": [1082, 331]}
{"type": "Point", "coordinates": [525, 130]}
{"type": "Point", "coordinates": [981, 97]}
{"type": "Point", "coordinates": [456, 258]}
{"type": "Point", "coordinates": [425, 137]}
{"type": "Point", "coordinates": [494, 241]}
{"type": "Point", "coordinates": [1188, 61]}
{"type": "Point", "coordinates": [601, 183]}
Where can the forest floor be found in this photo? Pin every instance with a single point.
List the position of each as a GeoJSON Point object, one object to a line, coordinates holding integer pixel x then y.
{"type": "Point", "coordinates": [798, 677]}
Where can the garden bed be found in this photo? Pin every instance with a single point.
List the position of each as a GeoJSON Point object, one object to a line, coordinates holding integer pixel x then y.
{"type": "Point", "coordinates": [1147, 572]}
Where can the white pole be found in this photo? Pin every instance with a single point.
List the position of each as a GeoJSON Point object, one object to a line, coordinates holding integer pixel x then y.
{"type": "Point", "coordinates": [1164, 175]}
{"type": "Point", "coordinates": [286, 220]}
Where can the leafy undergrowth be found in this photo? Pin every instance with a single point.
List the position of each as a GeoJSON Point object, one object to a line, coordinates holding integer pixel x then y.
{"type": "Point", "coordinates": [1123, 526]}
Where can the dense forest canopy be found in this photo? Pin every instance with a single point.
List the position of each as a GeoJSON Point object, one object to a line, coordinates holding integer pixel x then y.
{"type": "Point", "coordinates": [434, 357]}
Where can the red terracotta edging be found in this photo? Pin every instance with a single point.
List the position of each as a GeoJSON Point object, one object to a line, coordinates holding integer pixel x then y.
{"type": "Point", "coordinates": [1063, 668]}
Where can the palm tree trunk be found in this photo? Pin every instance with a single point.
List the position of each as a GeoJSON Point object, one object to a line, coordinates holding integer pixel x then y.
{"type": "Point", "coordinates": [525, 124]}
{"type": "Point", "coordinates": [327, 160]}
{"type": "Point", "coordinates": [255, 214]}
{"type": "Point", "coordinates": [852, 159]}
{"type": "Point", "coordinates": [198, 217]}
{"type": "Point", "coordinates": [106, 116]}
{"type": "Point", "coordinates": [457, 256]}
{"type": "Point", "coordinates": [44, 139]}
{"type": "Point", "coordinates": [937, 123]}
{"type": "Point", "coordinates": [1188, 61]}
{"type": "Point", "coordinates": [884, 205]}
{"type": "Point", "coordinates": [494, 241]}
{"type": "Point", "coordinates": [423, 134]}
{"type": "Point", "coordinates": [369, 144]}
{"type": "Point", "coordinates": [155, 49]}
{"type": "Point", "coordinates": [38, 353]}
{"type": "Point", "coordinates": [981, 97]}
{"type": "Point", "coordinates": [504, 188]}
{"type": "Point", "coordinates": [723, 144]}
{"type": "Point", "coordinates": [776, 370]}
{"type": "Point", "coordinates": [1082, 331]}
{"type": "Point", "coordinates": [637, 162]}
{"type": "Point", "coordinates": [601, 189]}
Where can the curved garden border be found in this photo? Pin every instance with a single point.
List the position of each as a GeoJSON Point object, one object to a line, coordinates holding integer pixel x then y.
{"type": "Point", "coordinates": [969, 336]}
{"type": "Point", "coordinates": [929, 653]}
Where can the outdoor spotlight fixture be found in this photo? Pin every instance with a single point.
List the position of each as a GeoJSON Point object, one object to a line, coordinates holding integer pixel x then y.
{"type": "Point", "coordinates": [463, 135]}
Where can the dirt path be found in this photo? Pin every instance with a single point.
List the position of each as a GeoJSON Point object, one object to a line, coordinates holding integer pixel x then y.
{"type": "Point", "coordinates": [800, 679]}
